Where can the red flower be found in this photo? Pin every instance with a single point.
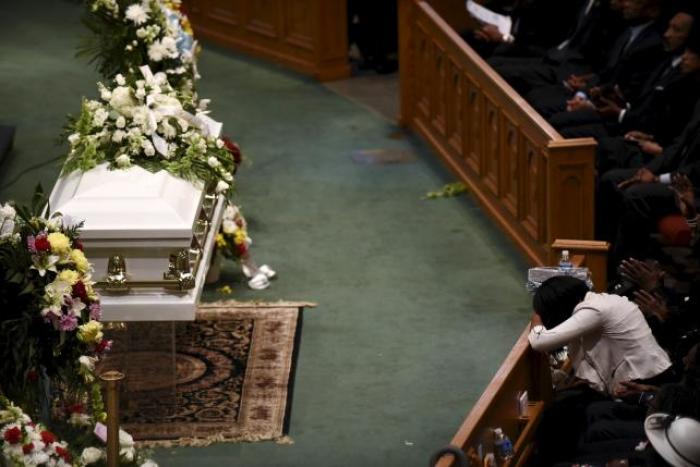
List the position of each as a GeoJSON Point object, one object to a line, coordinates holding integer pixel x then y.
{"type": "Point", "coordinates": [234, 149]}
{"type": "Point", "coordinates": [63, 453]}
{"type": "Point", "coordinates": [78, 244]}
{"type": "Point", "coordinates": [104, 345]}
{"type": "Point", "coordinates": [41, 243]}
{"type": "Point", "coordinates": [47, 437]}
{"type": "Point", "coordinates": [28, 448]}
{"type": "Point", "coordinates": [13, 435]}
{"type": "Point", "coordinates": [79, 291]}
{"type": "Point", "coordinates": [242, 249]}
{"type": "Point", "coordinates": [76, 408]}
{"type": "Point", "coordinates": [32, 376]}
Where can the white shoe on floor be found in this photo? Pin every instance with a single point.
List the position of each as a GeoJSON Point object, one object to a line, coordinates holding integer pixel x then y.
{"type": "Point", "coordinates": [268, 271]}
{"type": "Point", "coordinates": [259, 282]}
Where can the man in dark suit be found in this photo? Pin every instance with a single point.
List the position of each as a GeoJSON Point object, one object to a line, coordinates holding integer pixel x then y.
{"type": "Point", "coordinates": [665, 94]}
{"type": "Point", "coordinates": [656, 121]}
{"type": "Point", "coordinates": [633, 57]}
{"type": "Point", "coordinates": [630, 202]}
{"type": "Point", "coordinates": [597, 25]}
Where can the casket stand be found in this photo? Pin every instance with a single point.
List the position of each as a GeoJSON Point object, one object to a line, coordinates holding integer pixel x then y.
{"type": "Point", "coordinates": [150, 238]}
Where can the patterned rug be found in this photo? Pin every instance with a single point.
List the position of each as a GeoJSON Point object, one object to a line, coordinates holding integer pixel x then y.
{"type": "Point", "coordinates": [227, 376]}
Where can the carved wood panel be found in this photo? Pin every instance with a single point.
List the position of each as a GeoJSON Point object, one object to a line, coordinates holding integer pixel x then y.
{"type": "Point", "coordinates": [492, 149]}
{"type": "Point", "coordinates": [438, 105]}
{"type": "Point", "coordinates": [511, 153]}
{"type": "Point", "coordinates": [229, 12]}
{"type": "Point", "coordinates": [455, 109]}
{"type": "Point", "coordinates": [423, 69]}
{"type": "Point", "coordinates": [263, 18]}
{"type": "Point", "coordinates": [299, 27]}
{"type": "Point", "coordinates": [534, 191]}
{"type": "Point", "coordinates": [474, 120]}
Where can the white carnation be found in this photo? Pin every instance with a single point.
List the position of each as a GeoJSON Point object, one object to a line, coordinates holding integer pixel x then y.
{"type": "Point", "coordinates": [122, 101]}
{"type": "Point", "coordinates": [105, 94]}
{"type": "Point", "coordinates": [121, 122]}
{"type": "Point", "coordinates": [120, 80]}
{"type": "Point", "coordinates": [118, 136]}
{"type": "Point", "coordinates": [222, 186]}
{"type": "Point", "coordinates": [123, 161]}
{"type": "Point", "coordinates": [227, 176]}
{"type": "Point", "coordinates": [148, 148]}
{"type": "Point", "coordinates": [213, 162]}
{"type": "Point", "coordinates": [90, 455]}
{"type": "Point", "coordinates": [7, 212]}
{"type": "Point", "coordinates": [228, 226]}
{"type": "Point", "coordinates": [137, 14]}
{"type": "Point", "coordinates": [88, 363]}
{"type": "Point", "coordinates": [100, 117]}
{"type": "Point", "coordinates": [74, 138]}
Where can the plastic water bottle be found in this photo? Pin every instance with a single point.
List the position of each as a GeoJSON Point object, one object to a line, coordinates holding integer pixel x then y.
{"type": "Point", "coordinates": [502, 446]}
{"type": "Point", "coordinates": [565, 264]}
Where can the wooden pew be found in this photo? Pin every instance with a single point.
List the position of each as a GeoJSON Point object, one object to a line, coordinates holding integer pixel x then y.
{"type": "Point", "coordinates": [523, 369]}
{"type": "Point", "coordinates": [309, 36]}
{"type": "Point", "coordinates": [537, 185]}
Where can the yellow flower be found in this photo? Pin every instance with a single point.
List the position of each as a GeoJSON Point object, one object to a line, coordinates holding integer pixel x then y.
{"type": "Point", "coordinates": [92, 295]}
{"type": "Point", "coordinates": [69, 276]}
{"type": "Point", "coordinates": [220, 240]}
{"type": "Point", "coordinates": [60, 244]}
{"type": "Point", "coordinates": [240, 237]}
{"type": "Point", "coordinates": [225, 290]}
{"type": "Point", "coordinates": [81, 262]}
{"type": "Point", "coordinates": [90, 332]}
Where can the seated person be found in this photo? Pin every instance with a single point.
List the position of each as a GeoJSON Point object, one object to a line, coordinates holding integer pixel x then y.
{"type": "Point", "coordinates": [608, 339]}
{"type": "Point", "coordinates": [531, 33]}
{"type": "Point", "coordinates": [598, 23]}
{"type": "Point", "coordinates": [666, 102]}
{"type": "Point", "coordinates": [639, 147]}
{"type": "Point", "coordinates": [636, 52]}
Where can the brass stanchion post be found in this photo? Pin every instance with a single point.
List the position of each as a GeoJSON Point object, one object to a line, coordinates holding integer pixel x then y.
{"type": "Point", "coordinates": [112, 378]}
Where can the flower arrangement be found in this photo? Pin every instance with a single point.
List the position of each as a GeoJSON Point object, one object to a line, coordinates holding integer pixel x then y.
{"type": "Point", "coordinates": [25, 443]}
{"type": "Point", "coordinates": [49, 312]}
{"type": "Point", "coordinates": [233, 242]}
{"type": "Point", "coordinates": [147, 122]}
{"type": "Point", "coordinates": [127, 34]}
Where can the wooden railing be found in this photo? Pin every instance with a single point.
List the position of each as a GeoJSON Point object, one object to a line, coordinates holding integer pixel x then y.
{"type": "Point", "coordinates": [535, 184]}
{"type": "Point", "coordinates": [523, 370]}
{"type": "Point", "coordinates": [309, 36]}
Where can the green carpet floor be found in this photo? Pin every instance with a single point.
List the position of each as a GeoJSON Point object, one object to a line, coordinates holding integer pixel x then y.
{"type": "Point", "coordinates": [419, 300]}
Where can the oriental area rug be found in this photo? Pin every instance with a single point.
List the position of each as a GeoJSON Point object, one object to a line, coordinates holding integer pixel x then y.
{"type": "Point", "coordinates": [227, 376]}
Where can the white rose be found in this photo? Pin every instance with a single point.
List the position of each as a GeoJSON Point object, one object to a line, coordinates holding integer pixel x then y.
{"type": "Point", "coordinates": [118, 136]}
{"type": "Point", "coordinates": [121, 122]}
{"type": "Point", "coordinates": [219, 143]}
{"type": "Point", "coordinates": [222, 186]}
{"type": "Point", "coordinates": [227, 176]}
{"type": "Point", "coordinates": [105, 94]}
{"type": "Point", "coordinates": [120, 80]}
{"type": "Point", "coordinates": [123, 161]}
{"type": "Point", "coordinates": [140, 93]}
{"type": "Point", "coordinates": [90, 455]}
{"type": "Point", "coordinates": [213, 162]}
{"type": "Point", "coordinates": [100, 117]}
{"type": "Point", "coordinates": [74, 138]}
{"type": "Point", "coordinates": [141, 33]}
{"type": "Point", "coordinates": [125, 439]}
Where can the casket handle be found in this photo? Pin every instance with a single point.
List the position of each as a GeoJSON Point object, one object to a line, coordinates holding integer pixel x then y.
{"type": "Point", "coordinates": [178, 276]}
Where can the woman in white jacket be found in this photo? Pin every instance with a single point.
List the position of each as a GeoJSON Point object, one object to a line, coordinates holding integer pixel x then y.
{"type": "Point", "coordinates": [607, 336]}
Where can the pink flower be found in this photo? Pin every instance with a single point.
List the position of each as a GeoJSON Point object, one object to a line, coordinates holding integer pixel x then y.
{"type": "Point", "coordinates": [31, 244]}
{"type": "Point", "coordinates": [67, 322]}
{"type": "Point", "coordinates": [96, 311]}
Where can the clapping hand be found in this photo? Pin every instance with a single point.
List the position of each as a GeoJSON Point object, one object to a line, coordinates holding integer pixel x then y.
{"type": "Point", "coordinates": [638, 136]}
{"type": "Point", "coordinates": [642, 175]}
{"type": "Point", "coordinates": [651, 304]}
{"type": "Point", "coordinates": [577, 82]}
{"type": "Point", "coordinates": [489, 33]}
{"type": "Point", "coordinates": [647, 275]}
{"type": "Point", "coordinates": [578, 103]}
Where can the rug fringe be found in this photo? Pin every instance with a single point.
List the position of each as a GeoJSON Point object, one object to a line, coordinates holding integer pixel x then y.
{"type": "Point", "coordinates": [209, 440]}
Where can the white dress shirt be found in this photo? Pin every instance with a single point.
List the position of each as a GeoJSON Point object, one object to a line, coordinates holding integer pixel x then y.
{"type": "Point", "coordinates": [609, 342]}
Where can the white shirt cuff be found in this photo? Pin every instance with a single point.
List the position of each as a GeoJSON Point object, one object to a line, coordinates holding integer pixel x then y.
{"type": "Point", "coordinates": [665, 178]}
{"type": "Point", "coordinates": [621, 117]}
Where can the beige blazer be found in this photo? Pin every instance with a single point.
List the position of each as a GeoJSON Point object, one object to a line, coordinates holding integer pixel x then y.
{"type": "Point", "coordinates": [609, 341]}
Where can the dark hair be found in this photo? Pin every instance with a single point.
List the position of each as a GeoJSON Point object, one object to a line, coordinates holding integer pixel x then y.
{"type": "Point", "coordinates": [678, 399]}
{"type": "Point", "coordinates": [556, 299]}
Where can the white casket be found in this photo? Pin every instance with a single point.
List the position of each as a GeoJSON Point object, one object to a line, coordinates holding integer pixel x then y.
{"type": "Point", "coordinates": [149, 236]}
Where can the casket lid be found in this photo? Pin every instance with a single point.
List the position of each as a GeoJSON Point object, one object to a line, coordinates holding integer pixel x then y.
{"type": "Point", "coordinates": [131, 203]}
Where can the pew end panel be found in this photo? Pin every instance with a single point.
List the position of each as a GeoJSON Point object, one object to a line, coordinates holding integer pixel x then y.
{"type": "Point", "coordinates": [592, 254]}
